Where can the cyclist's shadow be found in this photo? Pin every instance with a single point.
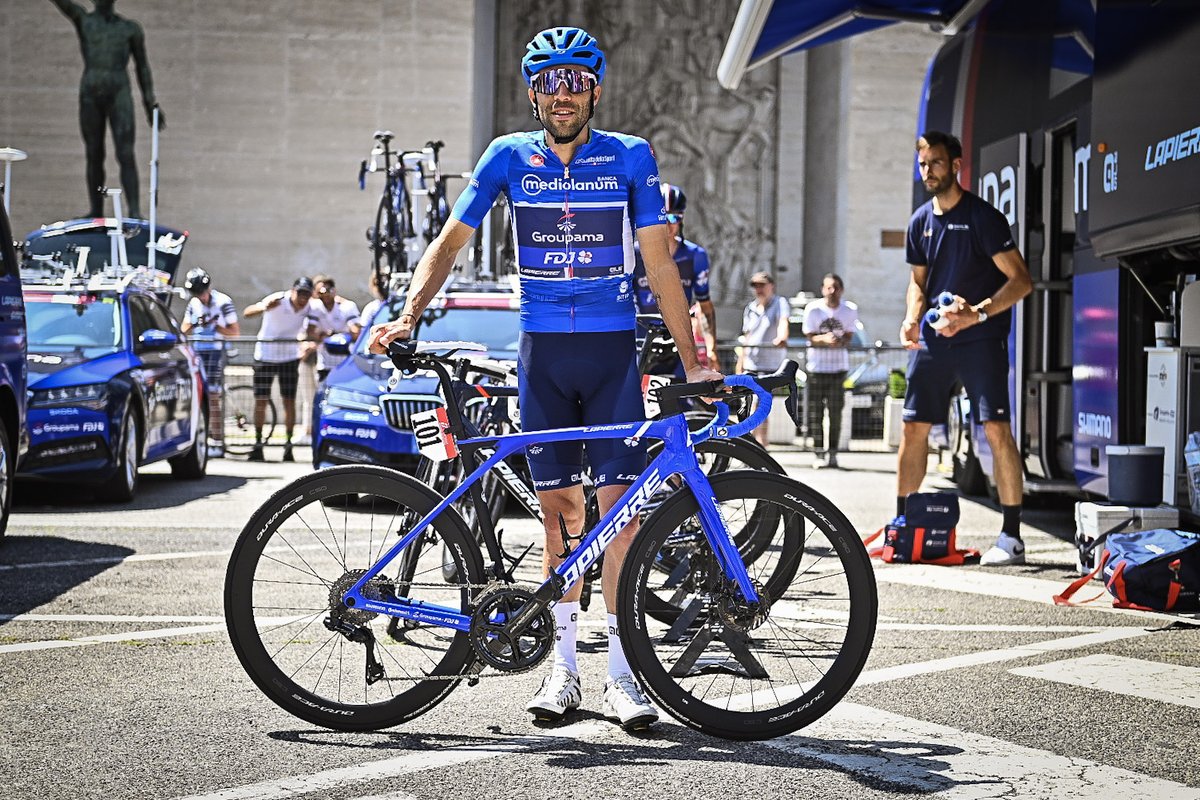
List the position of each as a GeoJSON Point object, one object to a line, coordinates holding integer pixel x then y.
{"type": "Point", "coordinates": [911, 767]}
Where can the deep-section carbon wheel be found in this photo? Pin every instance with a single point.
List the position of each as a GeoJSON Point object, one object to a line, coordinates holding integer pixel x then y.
{"type": "Point", "coordinates": [328, 664]}
{"type": "Point", "coordinates": [739, 670]}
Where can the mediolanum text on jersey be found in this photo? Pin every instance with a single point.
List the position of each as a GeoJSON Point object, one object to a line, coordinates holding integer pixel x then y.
{"type": "Point", "coordinates": [533, 185]}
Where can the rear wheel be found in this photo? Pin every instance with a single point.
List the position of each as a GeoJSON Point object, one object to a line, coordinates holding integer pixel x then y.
{"type": "Point", "coordinates": [739, 670]}
{"type": "Point", "coordinates": [387, 240]}
{"type": "Point", "coordinates": [339, 667]}
{"type": "Point", "coordinates": [193, 464]}
{"type": "Point", "coordinates": [7, 467]}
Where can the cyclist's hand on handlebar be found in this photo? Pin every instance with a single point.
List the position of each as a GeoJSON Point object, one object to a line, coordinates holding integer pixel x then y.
{"type": "Point", "coordinates": [702, 374]}
{"type": "Point", "coordinates": [383, 335]}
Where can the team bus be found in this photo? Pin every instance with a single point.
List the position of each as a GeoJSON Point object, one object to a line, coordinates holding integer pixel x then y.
{"type": "Point", "coordinates": [1079, 123]}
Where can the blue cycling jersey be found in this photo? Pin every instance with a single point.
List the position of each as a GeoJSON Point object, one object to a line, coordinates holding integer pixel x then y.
{"type": "Point", "coordinates": [572, 224]}
{"type": "Point", "coordinates": [692, 261]}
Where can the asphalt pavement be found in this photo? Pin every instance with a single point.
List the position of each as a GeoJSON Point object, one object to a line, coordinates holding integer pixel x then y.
{"type": "Point", "coordinates": [119, 680]}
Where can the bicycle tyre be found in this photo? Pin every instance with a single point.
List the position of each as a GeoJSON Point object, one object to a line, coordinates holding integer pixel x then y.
{"type": "Point", "coordinates": [832, 597]}
{"type": "Point", "coordinates": [718, 456]}
{"type": "Point", "coordinates": [239, 420]}
{"type": "Point", "coordinates": [384, 245]}
{"type": "Point", "coordinates": [263, 579]}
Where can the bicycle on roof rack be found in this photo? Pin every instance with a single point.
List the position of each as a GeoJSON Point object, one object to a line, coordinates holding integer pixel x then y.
{"type": "Point", "coordinates": [409, 175]}
{"type": "Point", "coordinates": [758, 649]}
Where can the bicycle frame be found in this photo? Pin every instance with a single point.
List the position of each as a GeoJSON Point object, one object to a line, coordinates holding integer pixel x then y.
{"type": "Point", "coordinates": [677, 458]}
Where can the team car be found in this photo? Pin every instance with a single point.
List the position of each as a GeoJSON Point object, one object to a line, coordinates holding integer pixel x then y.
{"type": "Point", "coordinates": [112, 382]}
{"type": "Point", "coordinates": [358, 419]}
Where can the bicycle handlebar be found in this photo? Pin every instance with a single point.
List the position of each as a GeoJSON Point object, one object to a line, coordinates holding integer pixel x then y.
{"type": "Point", "coordinates": [669, 397]}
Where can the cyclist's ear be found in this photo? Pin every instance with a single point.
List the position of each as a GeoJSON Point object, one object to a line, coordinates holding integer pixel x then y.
{"type": "Point", "coordinates": [533, 102]}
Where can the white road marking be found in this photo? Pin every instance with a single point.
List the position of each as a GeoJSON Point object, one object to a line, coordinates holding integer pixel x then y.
{"type": "Point", "coordinates": [993, 656]}
{"type": "Point", "coordinates": [334, 779]}
{"type": "Point", "coordinates": [912, 755]}
{"type": "Point", "coordinates": [103, 618]}
{"type": "Point", "coordinates": [992, 584]}
{"type": "Point", "coordinates": [83, 641]}
{"type": "Point", "coordinates": [1152, 680]}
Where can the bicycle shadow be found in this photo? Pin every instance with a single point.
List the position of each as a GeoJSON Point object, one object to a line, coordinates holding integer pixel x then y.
{"type": "Point", "coordinates": [909, 767]}
{"type": "Point", "coordinates": [37, 569]}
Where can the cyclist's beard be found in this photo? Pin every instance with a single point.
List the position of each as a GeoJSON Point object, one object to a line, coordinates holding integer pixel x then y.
{"type": "Point", "coordinates": [570, 134]}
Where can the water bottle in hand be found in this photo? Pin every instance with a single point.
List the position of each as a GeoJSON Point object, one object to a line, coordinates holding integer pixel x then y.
{"type": "Point", "coordinates": [936, 316]}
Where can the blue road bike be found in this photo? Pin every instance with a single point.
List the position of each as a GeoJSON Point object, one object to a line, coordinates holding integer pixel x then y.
{"type": "Point", "coordinates": [759, 648]}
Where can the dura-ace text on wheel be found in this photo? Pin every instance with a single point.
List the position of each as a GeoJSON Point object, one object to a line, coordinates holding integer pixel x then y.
{"type": "Point", "coordinates": [752, 671]}
{"type": "Point", "coordinates": [328, 664]}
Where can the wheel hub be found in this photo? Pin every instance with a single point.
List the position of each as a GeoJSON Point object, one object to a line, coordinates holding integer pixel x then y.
{"type": "Point", "coordinates": [378, 588]}
{"type": "Point", "coordinates": [735, 612]}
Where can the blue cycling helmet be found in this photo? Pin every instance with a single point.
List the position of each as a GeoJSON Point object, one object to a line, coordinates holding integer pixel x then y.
{"type": "Point", "coordinates": [563, 47]}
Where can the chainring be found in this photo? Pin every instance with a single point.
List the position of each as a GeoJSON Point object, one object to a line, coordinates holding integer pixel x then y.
{"type": "Point", "coordinates": [497, 647]}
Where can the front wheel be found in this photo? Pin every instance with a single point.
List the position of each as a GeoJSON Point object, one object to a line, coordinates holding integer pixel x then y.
{"type": "Point", "coordinates": [121, 487]}
{"type": "Point", "coordinates": [738, 670]}
{"type": "Point", "coordinates": [338, 667]}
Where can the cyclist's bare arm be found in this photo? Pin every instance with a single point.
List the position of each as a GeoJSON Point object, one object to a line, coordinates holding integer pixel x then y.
{"type": "Point", "coordinates": [709, 314]}
{"type": "Point", "coordinates": [428, 279]}
{"type": "Point", "coordinates": [668, 292]}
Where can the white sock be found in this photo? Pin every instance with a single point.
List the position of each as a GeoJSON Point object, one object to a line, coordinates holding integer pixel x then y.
{"type": "Point", "coordinates": [617, 665]}
{"type": "Point", "coordinates": [566, 625]}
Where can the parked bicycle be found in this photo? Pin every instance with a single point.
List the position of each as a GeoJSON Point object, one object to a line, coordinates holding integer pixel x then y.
{"type": "Point", "coordinates": [765, 648]}
{"type": "Point", "coordinates": [409, 175]}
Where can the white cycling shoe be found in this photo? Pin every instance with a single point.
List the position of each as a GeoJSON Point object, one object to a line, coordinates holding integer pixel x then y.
{"type": "Point", "coordinates": [1007, 551]}
{"type": "Point", "coordinates": [560, 692]}
{"type": "Point", "coordinates": [625, 704]}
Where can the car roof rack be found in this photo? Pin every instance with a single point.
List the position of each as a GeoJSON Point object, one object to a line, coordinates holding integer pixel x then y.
{"type": "Point", "coordinates": [50, 272]}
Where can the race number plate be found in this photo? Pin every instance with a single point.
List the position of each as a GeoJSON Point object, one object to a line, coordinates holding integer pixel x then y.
{"type": "Point", "coordinates": [434, 439]}
{"type": "Point", "coordinates": [650, 382]}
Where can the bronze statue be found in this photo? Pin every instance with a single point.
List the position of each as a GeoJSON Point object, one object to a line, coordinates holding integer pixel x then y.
{"type": "Point", "coordinates": [107, 41]}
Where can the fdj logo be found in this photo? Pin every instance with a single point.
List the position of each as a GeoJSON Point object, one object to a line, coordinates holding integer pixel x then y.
{"type": "Point", "coordinates": [1110, 172]}
{"type": "Point", "coordinates": [562, 259]}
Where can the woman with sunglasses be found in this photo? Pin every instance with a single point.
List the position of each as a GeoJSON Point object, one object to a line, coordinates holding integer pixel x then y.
{"type": "Point", "coordinates": [578, 198]}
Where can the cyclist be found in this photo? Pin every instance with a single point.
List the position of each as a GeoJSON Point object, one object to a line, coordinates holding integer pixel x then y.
{"type": "Point", "coordinates": [210, 315]}
{"type": "Point", "coordinates": [692, 262]}
{"type": "Point", "coordinates": [577, 197]}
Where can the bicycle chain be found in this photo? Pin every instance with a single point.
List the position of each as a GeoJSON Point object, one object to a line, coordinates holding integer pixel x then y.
{"type": "Point", "coordinates": [474, 669]}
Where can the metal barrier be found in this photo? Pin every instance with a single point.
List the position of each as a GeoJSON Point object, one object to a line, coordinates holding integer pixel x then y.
{"type": "Point", "coordinates": [861, 401]}
{"type": "Point", "coordinates": [229, 368]}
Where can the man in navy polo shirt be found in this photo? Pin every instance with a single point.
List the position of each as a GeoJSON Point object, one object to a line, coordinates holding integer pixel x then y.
{"type": "Point", "coordinates": [958, 243]}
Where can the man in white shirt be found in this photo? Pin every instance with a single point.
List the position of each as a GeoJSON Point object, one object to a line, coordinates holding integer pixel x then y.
{"type": "Point", "coordinates": [334, 314]}
{"type": "Point", "coordinates": [209, 317]}
{"type": "Point", "coordinates": [764, 334]}
{"type": "Point", "coordinates": [829, 324]}
{"type": "Point", "coordinates": [285, 337]}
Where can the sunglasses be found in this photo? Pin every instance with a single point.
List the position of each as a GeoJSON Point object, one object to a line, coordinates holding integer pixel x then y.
{"type": "Point", "coordinates": [759, 284]}
{"type": "Point", "coordinates": [576, 81]}
{"type": "Point", "coordinates": [674, 219]}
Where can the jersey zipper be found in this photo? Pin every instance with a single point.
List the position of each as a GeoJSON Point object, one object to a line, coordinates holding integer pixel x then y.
{"type": "Point", "coordinates": [570, 249]}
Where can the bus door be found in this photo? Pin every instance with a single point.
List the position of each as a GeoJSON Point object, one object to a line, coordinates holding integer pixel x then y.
{"type": "Point", "coordinates": [1048, 317]}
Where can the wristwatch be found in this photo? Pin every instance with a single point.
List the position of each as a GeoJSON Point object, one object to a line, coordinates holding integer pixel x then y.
{"type": "Point", "coordinates": [982, 316]}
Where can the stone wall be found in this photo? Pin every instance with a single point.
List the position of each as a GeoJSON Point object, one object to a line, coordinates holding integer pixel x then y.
{"type": "Point", "coordinates": [720, 146]}
{"type": "Point", "coordinates": [270, 106]}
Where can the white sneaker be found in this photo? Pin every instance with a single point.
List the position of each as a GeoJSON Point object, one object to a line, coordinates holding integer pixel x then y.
{"type": "Point", "coordinates": [1006, 551]}
{"type": "Point", "coordinates": [560, 692]}
{"type": "Point", "coordinates": [625, 704]}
